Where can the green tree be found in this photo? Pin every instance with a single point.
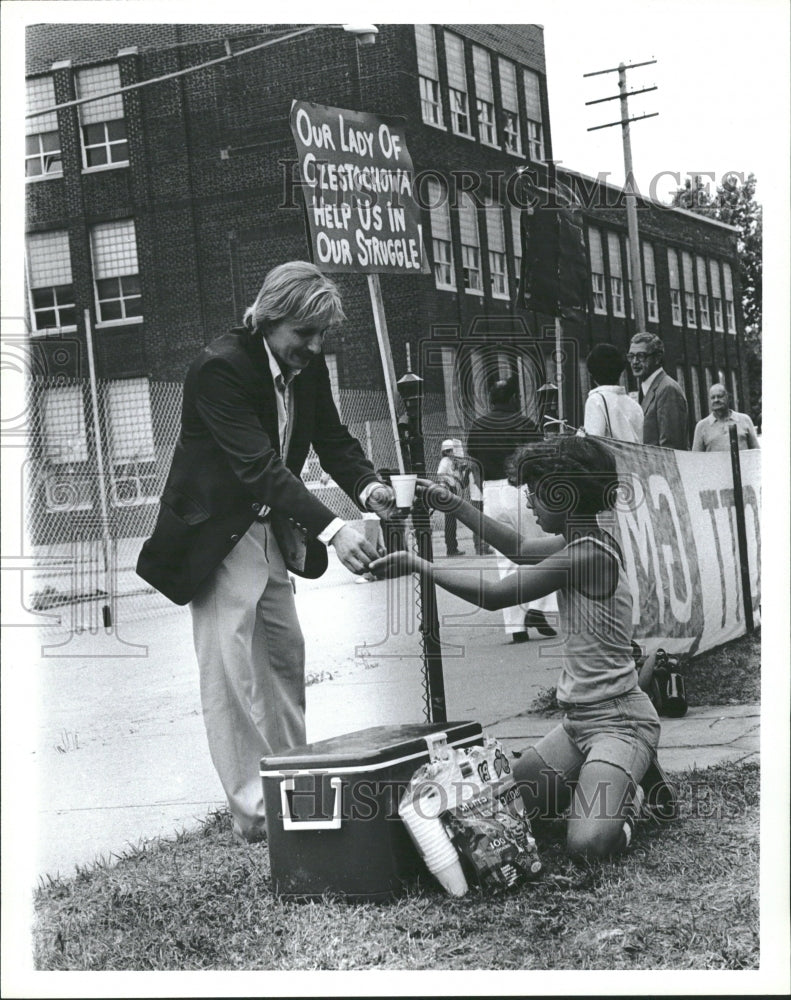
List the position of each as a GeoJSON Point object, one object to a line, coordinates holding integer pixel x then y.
{"type": "Point", "coordinates": [734, 203]}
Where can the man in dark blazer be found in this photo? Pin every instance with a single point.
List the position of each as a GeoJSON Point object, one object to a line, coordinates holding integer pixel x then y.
{"type": "Point", "coordinates": [661, 397]}
{"type": "Point", "coordinates": [228, 529]}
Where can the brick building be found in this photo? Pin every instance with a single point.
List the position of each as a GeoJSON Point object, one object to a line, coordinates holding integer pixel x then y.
{"type": "Point", "coordinates": [160, 208]}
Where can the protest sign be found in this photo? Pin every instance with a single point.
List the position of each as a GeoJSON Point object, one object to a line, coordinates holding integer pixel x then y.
{"type": "Point", "coordinates": [357, 177]}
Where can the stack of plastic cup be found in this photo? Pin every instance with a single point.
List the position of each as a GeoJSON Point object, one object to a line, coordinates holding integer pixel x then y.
{"type": "Point", "coordinates": [432, 841]}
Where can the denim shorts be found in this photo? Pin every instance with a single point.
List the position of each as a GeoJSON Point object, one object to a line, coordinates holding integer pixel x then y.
{"type": "Point", "coordinates": [622, 731]}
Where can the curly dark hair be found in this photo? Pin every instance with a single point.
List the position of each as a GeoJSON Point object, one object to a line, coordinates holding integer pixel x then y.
{"type": "Point", "coordinates": [569, 473]}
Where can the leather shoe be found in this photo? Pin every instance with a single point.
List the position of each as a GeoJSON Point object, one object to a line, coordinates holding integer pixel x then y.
{"type": "Point", "coordinates": [519, 637]}
{"type": "Point", "coordinates": [538, 621]}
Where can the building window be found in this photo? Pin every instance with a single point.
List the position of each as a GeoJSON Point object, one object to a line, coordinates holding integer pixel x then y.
{"type": "Point", "coordinates": [693, 373]}
{"type": "Point", "coordinates": [729, 306]}
{"type": "Point", "coordinates": [50, 284]}
{"type": "Point", "coordinates": [597, 272]}
{"type": "Point", "coordinates": [629, 277]}
{"type": "Point", "coordinates": [453, 416]}
{"type": "Point", "coordinates": [115, 272]}
{"type": "Point", "coordinates": [65, 436]}
{"type": "Point", "coordinates": [470, 245]}
{"type": "Point", "coordinates": [703, 294]}
{"type": "Point", "coordinates": [708, 380]}
{"type": "Point", "coordinates": [430, 100]}
{"type": "Point", "coordinates": [130, 432]}
{"type": "Point", "coordinates": [516, 233]}
{"type": "Point", "coordinates": [509, 97]}
{"type": "Point", "coordinates": [682, 380]}
{"type": "Point", "coordinates": [689, 290]}
{"type": "Point", "coordinates": [42, 138]}
{"type": "Point", "coordinates": [457, 85]}
{"type": "Point", "coordinates": [535, 132]}
{"type": "Point", "coordinates": [649, 273]}
{"type": "Point", "coordinates": [716, 295]}
{"type": "Point", "coordinates": [102, 125]}
{"type": "Point", "coordinates": [675, 287]}
{"type": "Point", "coordinates": [484, 95]}
{"type": "Point", "coordinates": [734, 391]}
{"type": "Point", "coordinates": [498, 266]}
{"type": "Point", "coordinates": [442, 245]}
{"type": "Point", "coordinates": [616, 275]}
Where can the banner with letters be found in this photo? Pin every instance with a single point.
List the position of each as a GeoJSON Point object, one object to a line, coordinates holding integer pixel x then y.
{"type": "Point", "coordinates": [676, 524]}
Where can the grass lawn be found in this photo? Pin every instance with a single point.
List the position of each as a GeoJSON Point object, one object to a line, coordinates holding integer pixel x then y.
{"type": "Point", "coordinates": [684, 897]}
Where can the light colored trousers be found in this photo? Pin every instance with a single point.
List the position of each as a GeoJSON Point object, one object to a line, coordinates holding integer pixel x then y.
{"type": "Point", "coordinates": [251, 656]}
{"type": "Point", "coordinates": [505, 503]}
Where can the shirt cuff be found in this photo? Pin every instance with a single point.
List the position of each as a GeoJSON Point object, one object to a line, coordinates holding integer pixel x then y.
{"type": "Point", "coordinates": [331, 530]}
{"type": "Point", "coordinates": [367, 490]}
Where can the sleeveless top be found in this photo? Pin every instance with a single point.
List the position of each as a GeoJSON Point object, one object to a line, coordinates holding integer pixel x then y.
{"type": "Point", "coordinates": [597, 651]}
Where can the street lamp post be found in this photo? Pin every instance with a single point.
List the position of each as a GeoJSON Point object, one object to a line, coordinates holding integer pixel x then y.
{"type": "Point", "coordinates": [410, 388]}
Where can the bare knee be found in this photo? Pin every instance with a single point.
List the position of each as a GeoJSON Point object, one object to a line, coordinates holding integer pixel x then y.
{"type": "Point", "coordinates": [594, 839]}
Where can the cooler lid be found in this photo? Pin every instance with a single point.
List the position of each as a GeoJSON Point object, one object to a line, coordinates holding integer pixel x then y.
{"type": "Point", "coordinates": [368, 748]}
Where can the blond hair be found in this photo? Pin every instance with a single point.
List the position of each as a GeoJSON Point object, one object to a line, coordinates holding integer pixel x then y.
{"type": "Point", "coordinates": [295, 290]}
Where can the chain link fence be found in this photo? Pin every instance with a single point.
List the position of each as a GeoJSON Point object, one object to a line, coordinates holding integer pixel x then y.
{"type": "Point", "coordinates": [97, 465]}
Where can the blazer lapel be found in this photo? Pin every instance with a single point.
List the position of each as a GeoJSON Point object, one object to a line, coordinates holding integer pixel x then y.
{"type": "Point", "coordinates": [650, 394]}
{"type": "Point", "coordinates": [263, 376]}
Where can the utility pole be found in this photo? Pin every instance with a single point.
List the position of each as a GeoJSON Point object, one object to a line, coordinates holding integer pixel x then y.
{"type": "Point", "coordinates": [635, 256]}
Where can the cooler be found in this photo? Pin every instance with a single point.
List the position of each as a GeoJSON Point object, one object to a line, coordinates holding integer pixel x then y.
{"type": "Point", "coordinates": [332, 809]}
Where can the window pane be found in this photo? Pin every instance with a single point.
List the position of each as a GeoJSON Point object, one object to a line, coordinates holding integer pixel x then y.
{"type": "Point", "coordinates": [43, 297]}
{"type": "Point", "coordinates": [96, 156]}
{"type": "Point", "coordinates": [93, 134]}
{"type": "Point", "coordinates": [107, 288]}
{"type": "Point", "coordinates": [32, 146]}
{"type": "Point", "coordinates": [130, 284]}
{"type": "Point", "coordinates": [68, 316]}
{"type": "Point", "coordinates": [33, 168]}
{"type": "Point", "coordinates": [45, 318]}
{"type": "Point", "coordinates": [50, 142]}
{"type": "Point", "coordinates": [119, 153]}
{"type": "Point", "coordinates": [134, 306]}
{"type": "Point", "coordinates": [116, 129]}
{"type": "Point", "coordinates": [110, 310]}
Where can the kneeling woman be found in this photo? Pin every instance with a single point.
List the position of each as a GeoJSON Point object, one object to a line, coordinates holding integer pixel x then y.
{"type": "Point", "coordinates": [596, 758]}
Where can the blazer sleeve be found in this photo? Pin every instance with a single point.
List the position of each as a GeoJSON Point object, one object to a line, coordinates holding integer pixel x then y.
{"type": "Point", "coordinates": [339, 452]}
{"type": "Point", "coordinates": [671, 414]}
{"type": "Point", "coordinates": [226, 407]}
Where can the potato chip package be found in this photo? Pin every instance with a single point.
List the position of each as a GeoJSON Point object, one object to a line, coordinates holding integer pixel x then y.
{"type": "Point", "coordinates": [480, 805]}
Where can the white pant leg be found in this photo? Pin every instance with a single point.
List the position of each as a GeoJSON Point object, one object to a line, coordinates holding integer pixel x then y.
{"type": "Point", "coordinates": [507, 504]}
{"type": "Point", "coordinates": [251, 656]}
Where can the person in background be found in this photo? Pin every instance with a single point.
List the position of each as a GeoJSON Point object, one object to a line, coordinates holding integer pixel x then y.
{"type": "Point", "coordinates": [609, 410]}
{"type": "Point", "coordinates": [491, 440]}
{"type": "Point", "coordinates": [712, 433]}
{"type": "Point", "coordinates": [601, 759]}
{"type": "Point", "coordinates": [450, 472]}
{"type": "Point", "coordinates": [255, 400]}
{"type": "Point", "coordinates": [660, 396]}
{"type": "Point", "coordinates": [475, 486]}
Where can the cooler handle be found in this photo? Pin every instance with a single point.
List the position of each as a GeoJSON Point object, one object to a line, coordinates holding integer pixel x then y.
{"type": "Point", "coordinates": [287, 785]}
{"type": "Point", "coordinates": [435, 742]}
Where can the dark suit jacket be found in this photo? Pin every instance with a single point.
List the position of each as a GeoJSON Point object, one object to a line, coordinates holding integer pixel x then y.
{"type": "Point", "coordinates": [227, 462]}
{"type": "Point", "coordinates": [665, 414]}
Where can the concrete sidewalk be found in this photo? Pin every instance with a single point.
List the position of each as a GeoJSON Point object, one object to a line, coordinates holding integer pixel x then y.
{"type": "Point", "coordinates": [119, 755]}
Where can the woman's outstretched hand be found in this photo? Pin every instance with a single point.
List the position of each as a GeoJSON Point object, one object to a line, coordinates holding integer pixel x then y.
{"type": "Point", "coordinates": [395, 564]}
{"type": "Point", "coordinates": [438, 496]}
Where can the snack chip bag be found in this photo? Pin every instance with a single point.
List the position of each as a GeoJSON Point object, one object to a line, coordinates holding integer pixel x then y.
{"type": "Point", "coordinates": [480, 805]}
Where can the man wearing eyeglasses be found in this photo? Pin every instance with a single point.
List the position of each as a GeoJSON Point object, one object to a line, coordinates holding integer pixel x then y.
{"type": "Point", "coordinates": [661, 397]}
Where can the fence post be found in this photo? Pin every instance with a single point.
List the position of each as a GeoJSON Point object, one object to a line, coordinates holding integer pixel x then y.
{"type": "Point", "coordinates": [741, 530]}
{"type": "Point", "coordinates": [106, 614]}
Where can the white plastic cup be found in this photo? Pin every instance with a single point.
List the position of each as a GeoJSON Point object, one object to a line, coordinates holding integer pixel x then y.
{"type": "Point", "coordinates": [435, 846]}
{"type": "Point", "coordinates": [404, 487]}
{"type": "Point", "coordinates": [452, 879]}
